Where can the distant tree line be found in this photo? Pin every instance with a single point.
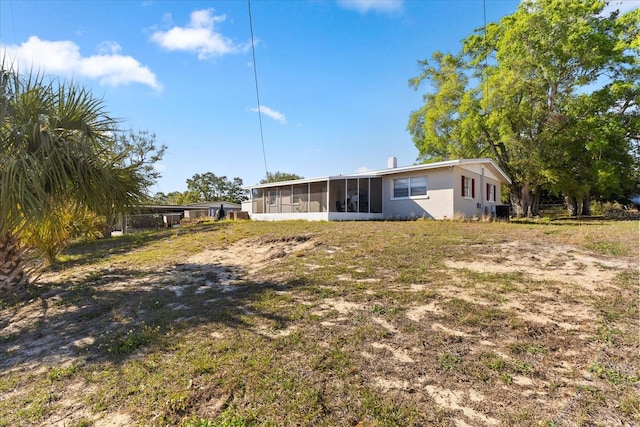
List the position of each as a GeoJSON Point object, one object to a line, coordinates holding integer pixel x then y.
{"type": "Point", "coordinates": [207, 187]}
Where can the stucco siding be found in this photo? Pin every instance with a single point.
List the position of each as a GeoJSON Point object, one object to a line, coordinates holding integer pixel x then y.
{"type": "Point", "coordinates": [307, 216]}
{"type": "Point", "coordinates": [474, 205]}
{"type": "Point", "coordinates": [437, 204]}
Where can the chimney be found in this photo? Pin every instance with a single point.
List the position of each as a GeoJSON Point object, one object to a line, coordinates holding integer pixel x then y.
{"type": "Point", "coordinates": [392, 162]}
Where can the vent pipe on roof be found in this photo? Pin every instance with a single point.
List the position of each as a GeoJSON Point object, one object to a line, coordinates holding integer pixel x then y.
{"type": "Point", "coordinates": [392, 162]}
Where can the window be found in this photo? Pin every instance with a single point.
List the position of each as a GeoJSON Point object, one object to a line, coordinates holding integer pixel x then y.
{"type": "Point", "coordinates": [273, 197]}
{"type": "Point", "coordinates": [352, 195]}
{"type": "Point", "coordinates": [375, 186]}
{"type": "Point", "coordinates": [491, 192]}
{"type": "Point", "coordinates": [418, 186]}
{"type": "Point", "coordinates": [401, 187]}
{"type": "Point", "coordinates": [257, 200]}
{"type": "Point", "coordinates": [410, 187]}
{"type": "Point", "coordinates": [363, 195]}
{"type": "Point", "coordinates": [300, 196]}
{"type": "Point", "coordinates": [285, 200]}
{"type": "Point", "coordinates": [468, 187]}
{"type": "Point", "coordinates": [318, 197]}
{"type": "Point", "coordinates": [337, 192]}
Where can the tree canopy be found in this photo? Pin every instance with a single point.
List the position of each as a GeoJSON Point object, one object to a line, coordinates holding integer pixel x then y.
{"type": "Point", "coordinates": [550, 92]}
{"type": "Point", "coordinates": [279, 177]}
{"type": "Point", "coordinates": [205, 187]}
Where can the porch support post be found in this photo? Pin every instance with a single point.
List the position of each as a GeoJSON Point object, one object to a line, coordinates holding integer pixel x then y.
{"type": "Point", "coordinates": [346, 194]}
{"type": "Point", "coordinates": [369, 196]}
{"type": "Point", "coordinates": [328, 196]}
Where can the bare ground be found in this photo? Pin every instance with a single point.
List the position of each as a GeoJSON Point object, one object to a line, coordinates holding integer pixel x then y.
{"type": "Point", "coordinates": [536, 354]}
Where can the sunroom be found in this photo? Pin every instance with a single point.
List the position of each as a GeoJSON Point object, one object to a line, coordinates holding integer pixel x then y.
{"type": "Point", "coordinates": [353, 197]}
{"type": "Point", "coordinates": [448, 189]}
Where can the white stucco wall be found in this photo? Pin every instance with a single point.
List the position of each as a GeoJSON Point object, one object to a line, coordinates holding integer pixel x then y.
{"type": "Point", "coordinates": [438, 204]}
{"type": "Point", "coordinates": [478, 205]}
{"type": "Point", "coordinates": [307, 216]}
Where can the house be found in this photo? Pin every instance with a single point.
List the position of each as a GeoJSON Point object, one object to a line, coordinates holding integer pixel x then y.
{"type": "Point", "coordinates": [443, 190]}
{"type": "Point", "coordinates": [154, 216]}
{"type": "Point", "coordinates": [209, 209]}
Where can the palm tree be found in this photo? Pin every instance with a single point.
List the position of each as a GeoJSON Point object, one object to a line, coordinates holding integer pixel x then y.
{"type": "Point", "coordinates": [54, 147]}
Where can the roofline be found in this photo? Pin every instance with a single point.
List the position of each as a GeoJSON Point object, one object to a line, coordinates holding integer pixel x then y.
{"type": "Point", "coordinates": [209, 204]}
{"type": "Point", "coordinates": [388, 171]}
{"type": "Point", "coordinates": [191, 206]}
{"type": "Point", "coordinates": [290, 182]}
{"type": "Point", "coordinates": [443, 164]}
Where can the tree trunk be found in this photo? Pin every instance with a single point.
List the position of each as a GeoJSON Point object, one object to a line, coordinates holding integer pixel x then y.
{"type": "Point", "coordinates": [111, 221]}
{"type": "Point", "coordinates": [572, 205]}
{"type": "Point", "coordinates": [586, 205]}
{"type": "Point", "coordinates": [12, 264]}
{"type": "Point", "coordinates": [106, 231]}
{"type": "Point", "coordinates": [534, 209]}
{"type": "Point", "coordinates": [525, 203]}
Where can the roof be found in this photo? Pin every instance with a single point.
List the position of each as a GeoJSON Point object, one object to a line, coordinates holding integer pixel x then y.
{"type": "Point", "coordinates": [193, 206]}
{"type": "Point", "coordinates": [391, 171]}
{"type": "Point", "coordinates": [208, 205]}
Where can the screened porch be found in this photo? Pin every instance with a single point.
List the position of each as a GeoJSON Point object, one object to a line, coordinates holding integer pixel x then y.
{"type": "Point", "coordinates": [327, 199]}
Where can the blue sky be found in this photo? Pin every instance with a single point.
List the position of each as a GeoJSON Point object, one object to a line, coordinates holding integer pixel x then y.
{"type": "Point", "coordinates": [333, 75]}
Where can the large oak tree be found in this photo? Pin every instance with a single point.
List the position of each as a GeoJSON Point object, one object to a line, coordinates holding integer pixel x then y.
{"type": "Point", "coordinates": [550, 92]}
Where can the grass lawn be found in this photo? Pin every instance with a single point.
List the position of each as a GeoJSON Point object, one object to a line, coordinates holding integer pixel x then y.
{"type": "Point", "coordinates": [336, 324]}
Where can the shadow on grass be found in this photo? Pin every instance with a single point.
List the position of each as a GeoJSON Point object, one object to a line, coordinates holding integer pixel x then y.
{"type": "Point", "coordinates": [84, 253]}
{"type": "Point", "coordinates": [113, 314]}
{"type": "Point", "coordinates": [558, 221]}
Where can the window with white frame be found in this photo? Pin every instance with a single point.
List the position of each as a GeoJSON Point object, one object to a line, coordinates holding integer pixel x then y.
{"type": "Point", "coordinates": [418, 186]}
{"type": "Point", "coordinates": [401, 188]}
{"type": "Point", "coordinates": [410, 187]}
{"type": "Point", "coordinates": [491, 192]}
{"type": "Point", "coordinates": [468, 187]}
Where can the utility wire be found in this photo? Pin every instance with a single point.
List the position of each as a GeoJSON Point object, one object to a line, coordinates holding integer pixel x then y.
{"type": "Point", "coordinates": [255, 76]}
{"type": "Point", "coordinates": [486, 57]}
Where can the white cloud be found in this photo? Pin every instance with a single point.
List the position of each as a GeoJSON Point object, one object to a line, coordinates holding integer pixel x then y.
{"type": "Point", "coordinates": [64, 58]}
{"type": "Point", "coordinates": [199, 36]}
{"type": "Point", "coordinates": [275, 115]}
{"type": "Point", "coordinates": [364, 6]}
{"type": "Point", "coordinates": [363, 169]}
{"type": "Point", "coordinates": [109, 47]}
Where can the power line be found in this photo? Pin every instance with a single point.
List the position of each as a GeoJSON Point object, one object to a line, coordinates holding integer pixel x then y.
{"type": "Point", "coordinates": [255, 76]}
{"type": "Point", "coordinates": [486, 56]}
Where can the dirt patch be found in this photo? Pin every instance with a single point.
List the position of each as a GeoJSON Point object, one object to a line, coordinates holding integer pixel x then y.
{"type": "Point", "coordinates": [560, 263]}
{"type": "Point", "coordinates": [473, 348]}
{"type": "Point", "coordinates": [53, 332]}
{"type": "Point", "coordinates": [454, 401]}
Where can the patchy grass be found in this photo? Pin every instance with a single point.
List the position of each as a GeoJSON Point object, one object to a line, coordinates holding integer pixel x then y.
{"type": "Point", "coordinates": [299, 323]}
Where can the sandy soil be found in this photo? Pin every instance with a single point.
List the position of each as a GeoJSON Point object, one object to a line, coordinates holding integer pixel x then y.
{"type": "Point", "coordinates": [56, 345]}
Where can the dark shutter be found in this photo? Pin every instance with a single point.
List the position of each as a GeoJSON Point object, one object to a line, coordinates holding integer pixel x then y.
{"type": "Point", "coordinates": [473, 188]}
